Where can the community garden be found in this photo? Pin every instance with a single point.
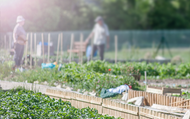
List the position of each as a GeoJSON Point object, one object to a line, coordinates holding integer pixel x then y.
{"type": "Point", "coordinates": [145, 73]}
{"type": "Point", "coordinates": [93, 76]}
{"type": "Point", "coordinates": [90, 78]}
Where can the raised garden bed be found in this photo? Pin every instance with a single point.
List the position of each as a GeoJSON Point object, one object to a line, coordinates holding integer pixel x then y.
{"type": "Point", "coordinates": [21, 103]}
{"type": "Point", "coordinates": [162, 90]}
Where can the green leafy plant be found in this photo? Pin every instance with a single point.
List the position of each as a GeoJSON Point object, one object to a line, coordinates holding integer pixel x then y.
{"type": "Point", "coordinates": [25, 104]}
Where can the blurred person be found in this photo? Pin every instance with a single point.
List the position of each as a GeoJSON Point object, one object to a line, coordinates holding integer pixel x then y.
{"type": "Point", "coordinates": [19, 37]}
{"type": "Point", "coordinates": [100, 33]}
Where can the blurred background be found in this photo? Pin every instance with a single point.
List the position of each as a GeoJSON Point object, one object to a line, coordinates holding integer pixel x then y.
{"type": "Point", "coordinates": [139, 24]}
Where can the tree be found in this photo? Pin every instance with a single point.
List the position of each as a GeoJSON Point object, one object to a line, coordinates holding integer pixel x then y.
{"type": "Point", "coordinates": [53, 15]}
{"type": "Point", "coordinates": [59, 15]}
{"type": "Point", "coordinates": [126, 14]}
{"type": "Point", "coordinates": [165, 15]}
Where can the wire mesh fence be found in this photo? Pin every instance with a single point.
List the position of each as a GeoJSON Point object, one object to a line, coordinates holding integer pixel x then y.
{"type": "Point", "coordinates": [129, 42]}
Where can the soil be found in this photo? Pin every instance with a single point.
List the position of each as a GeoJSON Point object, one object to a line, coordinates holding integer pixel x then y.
{"type": "Point", "coordinates": [168, 82]}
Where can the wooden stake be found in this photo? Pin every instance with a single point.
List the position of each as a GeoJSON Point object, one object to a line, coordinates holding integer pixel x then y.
{"type": "Point", "coordinates": [71, 47]}
{"type": "Point", "coordinates": [35, 49]}
{"type": "Point", "coordinates": [145, 78]}
{"type": "Point", "coordinates": [43, 47]}
{"type": "Point", "coordinates": [116, 40]}
{"type": "Point", "coordinates": [10, 37]}
{"type": "Point", "coordinates": [31, 53]}
{"type": "Point", "coordinates": [58, 48]}
{"type": "Point", "coordinates": [81, 48]}
{"type": "Point", "coordinates": [26, 49]}
{"type": "Point", "coordinates": [91, 56]}
{"type": "Point", "coordinates": [61, 47]}
{"type": "Point", "coordinates": [5, 42]}
{"type": "Point", "coordinates": [49, 37]}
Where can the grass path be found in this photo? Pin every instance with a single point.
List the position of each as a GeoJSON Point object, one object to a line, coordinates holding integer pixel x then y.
{"type": "Point", "coordinates": [184, 53]}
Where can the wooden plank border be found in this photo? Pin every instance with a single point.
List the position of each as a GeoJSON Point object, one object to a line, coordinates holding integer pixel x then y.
{"type": "Point", "coordinates": [112, 108]}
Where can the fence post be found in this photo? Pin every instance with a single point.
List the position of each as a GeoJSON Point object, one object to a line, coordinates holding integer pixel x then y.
{"type": "Point", "coordinates": [49, 47]}
{"type": "Point", "coordinates": [116, 40]}
{"type": "Point", "coordinates": [58, 48]}
{"type": "Point", "coordinates": [27, 37]}
{"type": "Point", "coordinates": [145, 78]}
{"type": "Point", "coordinates": [71, 47]}
{"type": "Point", "coordinates": [5, 38]}
{"type": "Point", "coordinates": [31, 53]}
{"type": "Point", "coordinates": [43, 47]}
{"type": "Point", "coordinates": [10, 41]}
{"type": "Point", "coordinates": [81, 48]}
{"type": "Point", "coordinates": [35, 49]}
{"type": "Point", "coordinates": [91, 56]}
{"type": "Point", "coordinates": [139, 113]}
{"type": "Point", "coordinates": [61, 47]}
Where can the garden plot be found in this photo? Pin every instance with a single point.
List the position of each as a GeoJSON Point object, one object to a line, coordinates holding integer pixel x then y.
{"type": "Point", "coordinates": [82, 101]}
{"type": "Point", "coordinates": [92, 77]}
{"type": "Point", "coordinates": [22, 103]}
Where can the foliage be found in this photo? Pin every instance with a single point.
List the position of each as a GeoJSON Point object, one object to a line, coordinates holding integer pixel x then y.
{"type": "Point", "coordinates": [128, 14]}
{"type": "Point", "coordinates": [153, 69]}
{"type": "Point", "coordinates": [78, 76]}
{"type": "Point", "coordinates": [102, 67]}
{"type": "Point", "coordinates": [96, 70]}
{"type": "Point", "coordinates": [38, 75]}
{"type": "Point", "coordinates": [6, 64]}
{"type": "Point", "coordinates": [26, 104]}
{"type": "Point", "coordinates": [95, 75]}
{"type": "Point", "coordinates": [162, 15]}
{"type": "Point", "coordinates": [185, 95]}
{"type": "Point", "coordinates": [164, 71]}
{"type": "Point", "coordinates": [46, 15]}
{"type": "Point", "coordinates": [67, 15]}
{"type": "Point", "coordinates": [5, 69]}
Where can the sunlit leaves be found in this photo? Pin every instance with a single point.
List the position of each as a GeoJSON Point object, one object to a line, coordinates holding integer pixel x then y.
{"type": "Point", "coordinates": [25, 104]}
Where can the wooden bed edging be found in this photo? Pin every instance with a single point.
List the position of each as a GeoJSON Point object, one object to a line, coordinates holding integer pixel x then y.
{"type": "Point", "coordinates": [152, 98]}
{"type": "Point", "coordinates": [109, 107]}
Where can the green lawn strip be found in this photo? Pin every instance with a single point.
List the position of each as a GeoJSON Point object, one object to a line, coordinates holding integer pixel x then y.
{"type": "Point", "coordinates": [136, 53]}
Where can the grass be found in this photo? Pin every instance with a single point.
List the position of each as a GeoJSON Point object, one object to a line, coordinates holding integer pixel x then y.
{"type": "Point", "coordinates": [126, 54]}
{"type": "Point", "coordinates": [119, 96]}
{"type": "Point", "coordinates": [136, 53]}
{"type": "Point", "coordinates": [140, 88]}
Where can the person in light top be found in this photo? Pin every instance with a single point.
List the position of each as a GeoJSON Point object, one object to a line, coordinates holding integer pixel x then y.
{"type": "Point", "coordinates": [100, 33]}
{"type": "Point", "coordinates": [19, 37]}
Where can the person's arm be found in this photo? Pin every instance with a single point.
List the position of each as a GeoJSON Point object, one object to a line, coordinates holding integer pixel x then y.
{"type": "Point", "coordinates": [22, 37]}
{"type": "Point", "coordinates": [14, 37]}
{"type": "Point", "coordinates": [89, 37]}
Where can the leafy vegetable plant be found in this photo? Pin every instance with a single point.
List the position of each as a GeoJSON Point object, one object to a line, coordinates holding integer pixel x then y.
{"type": "Point", "coordinates": [24, 104]}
